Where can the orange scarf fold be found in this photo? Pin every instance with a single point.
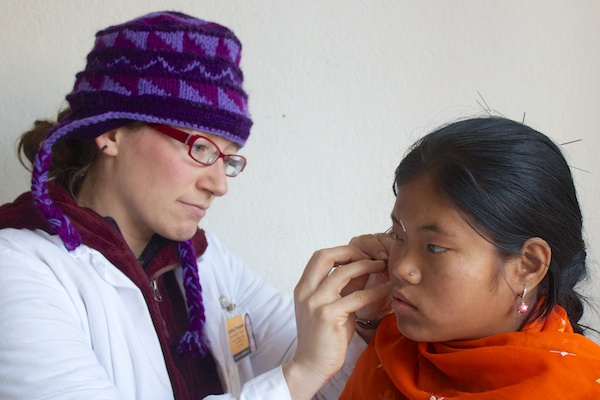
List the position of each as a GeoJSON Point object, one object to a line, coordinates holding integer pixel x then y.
{"type": "Point", "coordinates": [543, 361]}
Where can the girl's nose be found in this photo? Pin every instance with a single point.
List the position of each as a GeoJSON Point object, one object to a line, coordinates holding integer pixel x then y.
{"type": "Point", "coordinates": [405, 267]}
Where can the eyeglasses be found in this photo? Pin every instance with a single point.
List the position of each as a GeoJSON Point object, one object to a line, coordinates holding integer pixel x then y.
{"type": "Point", "coordinates": [203, 150]}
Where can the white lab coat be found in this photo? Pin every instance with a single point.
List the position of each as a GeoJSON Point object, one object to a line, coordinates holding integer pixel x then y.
{"type": "Point", "coordinates": [72, 326]}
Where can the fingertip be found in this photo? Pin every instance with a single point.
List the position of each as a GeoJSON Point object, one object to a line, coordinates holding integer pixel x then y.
{"type": "Point", "coordinates": [383, 264]}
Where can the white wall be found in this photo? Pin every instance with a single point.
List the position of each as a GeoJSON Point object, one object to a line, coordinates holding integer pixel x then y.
{"type": "Point", "coordinates": [338, 90]}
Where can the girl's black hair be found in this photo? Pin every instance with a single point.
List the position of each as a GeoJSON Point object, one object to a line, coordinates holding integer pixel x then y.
{"type": "Point", "coordinates": [512, 183]}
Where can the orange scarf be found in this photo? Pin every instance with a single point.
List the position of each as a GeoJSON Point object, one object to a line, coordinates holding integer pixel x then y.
{"type": "Point", "coordinates": [543, 361]}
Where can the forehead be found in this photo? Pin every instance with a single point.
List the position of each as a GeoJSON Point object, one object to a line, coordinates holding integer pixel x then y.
{"type": "Point", "coordinates": [420, 205]}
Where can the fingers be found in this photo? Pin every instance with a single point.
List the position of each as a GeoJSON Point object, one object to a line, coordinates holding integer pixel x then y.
{"type": "Point", "coordinates": [330, 288]}
{"type": "Point", "coordinates": [375, 246]}
{"type": "Point", "coordinates": [324, 317]}
{"type": "Point", "coordinates": [321, 263]}
{"type": "Point", "coordinates": [335, 267]}
{"type": "Point", "coordinates": [361, 298]}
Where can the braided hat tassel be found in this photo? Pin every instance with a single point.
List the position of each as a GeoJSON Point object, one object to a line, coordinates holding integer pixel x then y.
{"type": "Point", "coordinates": [193, 341]}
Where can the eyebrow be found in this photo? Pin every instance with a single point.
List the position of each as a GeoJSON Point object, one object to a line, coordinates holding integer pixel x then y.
{"type": "Point", "coordinates": [436, 229]}
{"type": "Point", "coordinates": [236, 149]}
{"type": "Point", "coordinates": [431, 227]}
{"type": "Point", "coordinates": [398, 221]}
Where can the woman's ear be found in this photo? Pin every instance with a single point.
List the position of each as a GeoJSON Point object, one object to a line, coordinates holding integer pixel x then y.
{"type": "Point", "coordinates": [532, 265]}
{"type": "Point", "coordinates": [107, 143]}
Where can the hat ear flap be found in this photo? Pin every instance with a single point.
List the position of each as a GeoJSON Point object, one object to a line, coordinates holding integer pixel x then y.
{"type": "Point", "coordinates": [59, 222]}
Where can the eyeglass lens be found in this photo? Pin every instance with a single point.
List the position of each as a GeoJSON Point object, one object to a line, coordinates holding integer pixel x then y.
{"type": "Point", "coordinates": [206, 152]}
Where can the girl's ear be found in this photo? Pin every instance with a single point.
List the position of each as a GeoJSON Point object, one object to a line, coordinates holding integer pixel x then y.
{"type": "Point", "coordinates": [532, 265]}
{"type": "Point", "coordinates": [107, 143]}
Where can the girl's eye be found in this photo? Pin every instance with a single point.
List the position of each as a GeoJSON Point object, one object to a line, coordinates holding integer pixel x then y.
{"type": "Point", "coordinates": [395, 236]}
{"type": "Point", "coordinates": [432, 248]}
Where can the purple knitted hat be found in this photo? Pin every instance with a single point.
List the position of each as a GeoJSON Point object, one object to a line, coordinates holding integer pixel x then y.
{"type": "Point", "coordinates": [164, 67]}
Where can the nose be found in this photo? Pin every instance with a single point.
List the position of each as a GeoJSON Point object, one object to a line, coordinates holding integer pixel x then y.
{"type": "Point", "coordinates": [405, 267]}
{"type": "Point", "coordinates": [213, 179]}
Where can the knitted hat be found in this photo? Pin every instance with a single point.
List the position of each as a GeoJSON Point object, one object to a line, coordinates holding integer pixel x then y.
{"type": "Point", "coordinates": [164, 67]}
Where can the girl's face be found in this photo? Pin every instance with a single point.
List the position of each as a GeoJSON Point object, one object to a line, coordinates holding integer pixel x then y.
{"type": "Point", "coordinates": [447, 280]}
{"type": "Point", "coordinates": [149, 184]}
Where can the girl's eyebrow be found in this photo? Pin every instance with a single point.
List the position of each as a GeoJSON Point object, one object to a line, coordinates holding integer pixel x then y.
{"type": "Point", "coordinates": [436, 228]}
{"type": "Point", "coordinates": [432, 227]}
{"type": "Point", "coordinates": [398, 221]}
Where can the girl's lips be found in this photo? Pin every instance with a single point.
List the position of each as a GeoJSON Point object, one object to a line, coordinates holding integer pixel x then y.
{"type": "Point", "coordinates": [399, 305]}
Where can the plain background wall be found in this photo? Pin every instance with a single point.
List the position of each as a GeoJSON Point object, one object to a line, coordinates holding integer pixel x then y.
{"type": "Point", "coordinates": [338, 90]}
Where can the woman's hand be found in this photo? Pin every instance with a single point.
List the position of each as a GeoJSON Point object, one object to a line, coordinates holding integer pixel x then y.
{"type": "Point", "coordinates": [377, 247]}
{"type": "Point", "coordinates": [325, 316]}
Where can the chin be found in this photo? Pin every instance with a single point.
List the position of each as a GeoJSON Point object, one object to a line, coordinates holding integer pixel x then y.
{"type": "Point", "coordinates": [418, 334]}
{"type": "Point", "coordinates": [181, 235]}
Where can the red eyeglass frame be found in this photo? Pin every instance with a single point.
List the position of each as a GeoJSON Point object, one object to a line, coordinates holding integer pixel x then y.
{"type": "Point", "coordinates": [188, 139]}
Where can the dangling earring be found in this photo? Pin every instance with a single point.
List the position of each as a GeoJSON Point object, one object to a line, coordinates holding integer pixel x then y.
{"type": "Point", "coordinates": [522, 308]}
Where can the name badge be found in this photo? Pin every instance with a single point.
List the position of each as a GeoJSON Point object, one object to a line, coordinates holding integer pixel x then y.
{"type": "Point", "coordinates": [239, 330]}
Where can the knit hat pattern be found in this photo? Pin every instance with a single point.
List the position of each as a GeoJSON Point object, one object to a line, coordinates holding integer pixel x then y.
{"type": "Point", "coordinates": [167, 68]}
{"type": "Point", "coordinates": [163, 67]}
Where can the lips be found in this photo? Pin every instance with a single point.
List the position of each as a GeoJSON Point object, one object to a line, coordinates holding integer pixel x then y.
{"type": "Point", "coordinates": [198, 210]}
{"type": "Point", "coordinates": [401, 305]}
